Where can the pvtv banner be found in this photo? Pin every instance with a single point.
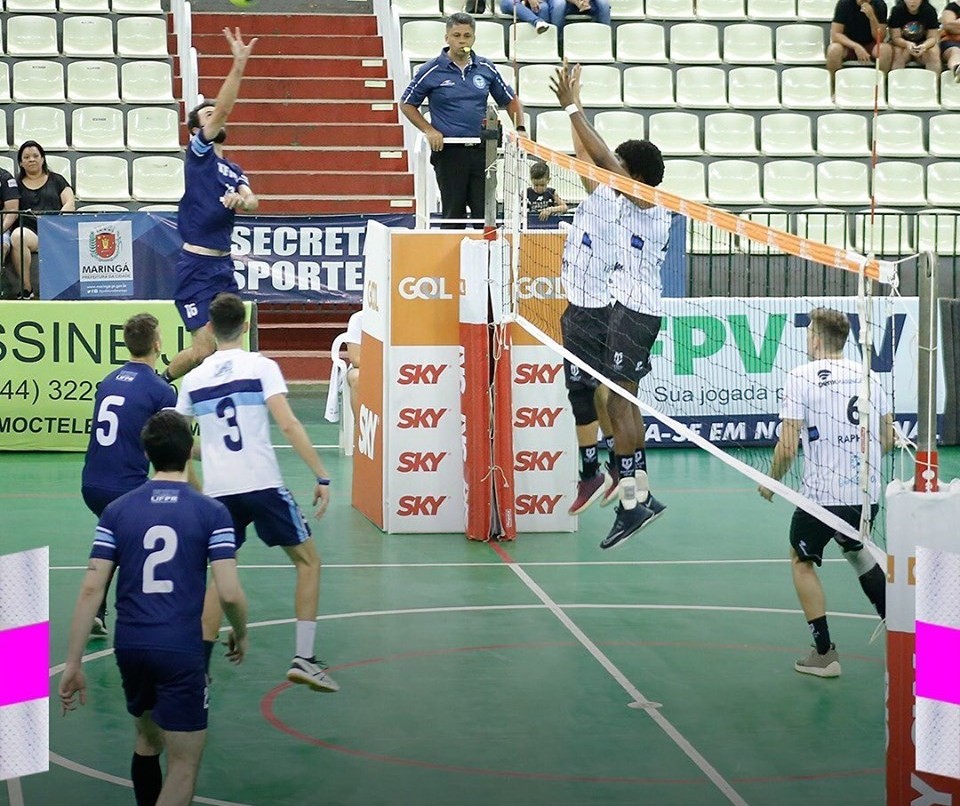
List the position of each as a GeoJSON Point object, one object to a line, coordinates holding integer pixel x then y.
{"type": "Point", "coordinates": [133, 256]}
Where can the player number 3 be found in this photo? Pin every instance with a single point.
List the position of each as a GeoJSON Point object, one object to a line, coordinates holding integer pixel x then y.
{"type": "Point", "coordinates": [168, 537]}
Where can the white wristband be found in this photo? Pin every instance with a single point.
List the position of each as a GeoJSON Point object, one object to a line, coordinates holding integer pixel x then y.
{"type": "Point", "coordinates": [571, 109]}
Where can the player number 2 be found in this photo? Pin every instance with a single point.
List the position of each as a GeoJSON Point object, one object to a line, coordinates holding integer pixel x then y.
{"type": "Point", "coordinates": [227, 410]}
{"type": "Point", "coordinates": [168, 537]}
{"type": "Point", "coordinates": [853, 410]}
{"type": "Point", "coordinates": [108, 424]}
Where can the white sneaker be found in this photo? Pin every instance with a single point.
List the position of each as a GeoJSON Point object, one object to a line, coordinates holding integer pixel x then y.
{"type": "Point", "coordinates": [311, 673]}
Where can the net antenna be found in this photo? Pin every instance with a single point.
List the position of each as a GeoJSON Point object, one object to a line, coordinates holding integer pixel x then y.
{"type": "Point", "coordinates": [728, 320]}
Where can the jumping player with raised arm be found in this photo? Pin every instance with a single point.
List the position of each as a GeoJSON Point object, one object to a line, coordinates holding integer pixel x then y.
{"type": "Point", "coordinates": [160, 538]}
{"type": "Point", "coordinates": [820, 409]}
{"type": "Point", "coordinates": [643, 232]}
{"type": "Point", "coordinates": [233, 394]}
{"type": "Point", "coordinates": [214, 189]}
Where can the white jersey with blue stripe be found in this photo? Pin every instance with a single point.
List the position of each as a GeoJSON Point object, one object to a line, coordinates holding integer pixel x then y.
{"type": "Point", "coordinates": [227, 394]}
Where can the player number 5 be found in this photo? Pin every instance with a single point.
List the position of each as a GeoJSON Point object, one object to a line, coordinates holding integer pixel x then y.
{"type": "Point", "coordinates": [168, 537]}
{"type": "Point", "coordinates": [108, 424]}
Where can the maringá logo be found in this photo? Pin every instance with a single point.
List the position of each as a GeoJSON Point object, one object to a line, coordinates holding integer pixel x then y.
{"type": "Point", "coordinates": [104, 243]}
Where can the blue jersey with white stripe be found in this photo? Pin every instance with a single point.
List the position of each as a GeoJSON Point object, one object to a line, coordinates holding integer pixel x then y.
{"type": "Point", "coordinates": [161, 536]}
{"type": "Point", "coordinates": [458, 98]}
{"type": "Point", "coordinates": [202, 219]}
{"type": "Point", "coordinates": [228, 395]}
{"type": "Point", "coordinates": [125, 400]}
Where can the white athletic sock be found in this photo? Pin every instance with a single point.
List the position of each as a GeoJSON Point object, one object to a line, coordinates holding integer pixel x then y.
{"type": "Point", "coordinates": [306, 635]}
{"type": "Point", "coordinates": [643, 486]}
{"type": "Point", "coordinates": [628, 492]}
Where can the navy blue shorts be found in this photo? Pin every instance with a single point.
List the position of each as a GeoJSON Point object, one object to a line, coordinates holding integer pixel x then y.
{"type": "Point", "coordinates": [630, 339]}
{"type": "Point", "coordinates": [199, 279]}
{"type": "Point", "coordinates": [584, 333]}
{"type": "Point", "coordinates": [273, 513]}
{"type": "Point", "coordinates": [171, 685]}
{"type": "Point", "coordinates": [809, 536]}
{"type": "Point", "coordinates": [97, 498]}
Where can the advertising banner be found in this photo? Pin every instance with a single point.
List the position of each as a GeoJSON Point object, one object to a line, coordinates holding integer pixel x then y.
{"type": "Point", "coordinates": [133, 256]}
{"type": "Point", "coordinates": [53, 355]}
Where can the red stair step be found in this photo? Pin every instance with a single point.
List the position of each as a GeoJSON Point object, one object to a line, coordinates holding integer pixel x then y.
{"type": "Point", "coordinates": [317, 134]}
{"type": "Point", "coordinates": [359, 89]}
{"type": "Point", "coordinates": [308, 160]}
{"type": "Point", "coordinates": [314, 112]}
{"type": "Point", "coordinates": [264, 25]}
{"type": "Point", "coordinates": [353, 183]}
{"type": "Point", "coordinates": [290, 45]}
{"type": "Point", "coordinates": [334, 205]}
{"type": "Point", "coordinates": [217, 67]}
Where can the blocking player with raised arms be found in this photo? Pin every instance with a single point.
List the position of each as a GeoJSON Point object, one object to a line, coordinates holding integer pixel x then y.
{"type": "Point", "coordinates": [643, 231]}
{"type": "Point", "coordinates": [233, 394]}
{"type": "Point", "coordinates": [160, 538]}
{"type": "Point", "coordinates": [214, 189]}
{"type": "Point", "coordinates": [126, 398]}
{"type": "Point", "coordinates": [820, 409]}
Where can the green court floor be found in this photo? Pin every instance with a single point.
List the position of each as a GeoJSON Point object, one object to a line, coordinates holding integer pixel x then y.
{"type": "Point", "coordinates": [479, 674]}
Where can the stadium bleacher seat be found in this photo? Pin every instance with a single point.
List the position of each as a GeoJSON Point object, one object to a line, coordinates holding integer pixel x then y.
{"type": "Point", "coordinates": [508, 74]}
{"type": "Point", "coordinates": [534, 80]}
{"type": "Point", "coordinates": [734, 182]}
{"type": "Point", "coordinates": [800, 44]}
{"type": "Point", "coordinates": [754, 88]}
{"type": "Point", "coordinates": [616, 125]}
{"type": "Point", "coordinates": [685, 178]}
{"type": "Point", "coordinates": [31, 6]}
{"type": "Point", "coordinates": [816, 9]}
{"type": "Point", "coordinates": [648, 86]}
{"type": "Point", "coordinates": [856, 86]}
{"type": "Point", "coordinates": [45, 124]}
{"type": "Point", "coordinates": [600, 85]}
{"type": "Point", "coordinates": [786, 134]}
{"type": "Point", "coordinates": [938, 229]}
{"type": "Point", "coordinates": [694, 43]}
{"type": "Point", "coordinates": [720, 9]}
{"type": "Point", "coordinates": [92, 81]}
{"type": "Point", "coordinates": [584, 42]}
{"type": "Point", "coordinates": [102, 179]}
{"type": "Point", "coordinates": [789, 182]}
{"type": "Point", "coordinates": [416, 8]}
{"type": "Point", "coordinates": [155, 128]}
{"type": "Point", "coordinates": [146, 82]}
{"type": "Point", "coordinates": [159, 208]}
{"type": "Point", "coordinates": [61, 165]}
{"type": "Point", "coordinates": [142, 37]}
{"type": "Point", "coordinates": [748, 43]}
{"type": "Point", "coordinates": [843, 182]}
{"type": "Point", "coordinates": [4, 81]}
{"type": "Point", "coordinates": [943, 184]}
{"type": "Point", "coordinates": [702, 87]}
{"type": "Point", "coordinates": [32, 35]}
{"type": "Point", "coordinates": [641, 42]}
{"type": "Point", "coordinates": [677, 133]}
{"type": "Point", "coordinates": [842, 134]}
{"type": "Point", "coordinates": [730, 134]}
{"type": "Point", "coordinates": [84, 6]}
{"type": "Point", "coordinates": [4, 143]}
{"type": "Point", "coordinates": [769, 217]}
{"type": "Point", "coordinates": [627, 9]}
{"type": "Point", "coordinates": [554, 131]}
{"type": "Point", "coordinates": [805, 88]}
{"type": "Point", "coordinates": [899, 184]}
{"type": "Point", "coordinates": [824, 224]}
{"type": "Point", "coordinates": [97, 128]}
{"type": "Point", "coordinates": [489, 42]}
{"type": "Point", "coordinates": [882, 231]}
{"type": "Point", "coordinates": [949, 91]}
{"type": "Point", "coordinates": [900, 135]}
{"type": "Point", "coordinates": [942, 131]}
{"type": "Point", "coordinates": [671, 10]}
{"type": "Point", "coordinates": [88, 36]}
{"type": "Point", "coordinates": [158, 179]}
{"type": "Point", "coordinates": [102, 208]}
{"type": "Point", "coordinates": [774, 10]}
{"type": "Point", "coordinates": [420, 37]}
{"type": "Point", "coordinates": [136, 7]}
{"type": "Point", "coordinates": [912, 89]}
{"type": "Point", "coordinates": [38, 81]}
{"type": "Point", "coordinates": [534, 47]}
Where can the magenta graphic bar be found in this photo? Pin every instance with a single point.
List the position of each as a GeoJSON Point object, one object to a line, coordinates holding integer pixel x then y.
{"type": "Point", "coordinates": [24, 672]}
{"type": "Point", "coordinates": [938, 660]}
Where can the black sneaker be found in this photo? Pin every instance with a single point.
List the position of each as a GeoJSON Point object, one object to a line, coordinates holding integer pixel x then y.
{"type": "Point", "coordinates": [628, 521]}
{"type": "Point", "coordinates": [654, 506]}
{"type": "Point", "coordinates": [26, 294]}
{"type": "Point", "coordinates": [99, 628]}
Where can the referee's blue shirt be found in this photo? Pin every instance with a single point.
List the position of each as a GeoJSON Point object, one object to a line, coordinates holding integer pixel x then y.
{"type": "Point", "coordinates": [458, 98]}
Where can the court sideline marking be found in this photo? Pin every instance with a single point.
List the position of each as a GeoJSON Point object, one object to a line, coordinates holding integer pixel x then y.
{"type": "Point", "coordinates": [646, 705]}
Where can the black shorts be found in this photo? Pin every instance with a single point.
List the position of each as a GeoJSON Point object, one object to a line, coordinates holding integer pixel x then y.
{"type": "Point", "coordinates": [584, 333]}
{"type": "Point", "coordinates": [171, 685]}
{"type": "Point", "coordinates": [630, 338]}
{"type": "Point", "coordinates": [809, 536]}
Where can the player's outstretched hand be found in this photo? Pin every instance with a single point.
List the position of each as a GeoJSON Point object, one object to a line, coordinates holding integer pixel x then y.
{"type": "Point", "coordinates": [765, 493]}
{"type": "Point", "coordinates": [238, 48]}
{"type": "Point", "coordinates": [321, 499]}
{"type": "Point", "coordinates": [564, 84]}
{"type": "Point", "coordinates": [236, 647]}
{"type": "Point", "coordinates": [72, 683]}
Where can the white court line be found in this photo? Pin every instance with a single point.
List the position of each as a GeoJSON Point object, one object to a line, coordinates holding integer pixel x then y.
{"type": "Point", "coordinates": [648, 707]}
{"type": "Point", "coordinates": [15, 791]}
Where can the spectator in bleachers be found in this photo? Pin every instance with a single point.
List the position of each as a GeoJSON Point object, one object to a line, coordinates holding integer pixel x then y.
{"type": "Point", "coordinates": [858, 32]}
{"type": "Point", "coordinates": [535, 12]}
{"type": "Point", "coordinates": [41, 191]}
{"type": "Point", "coordinates": [598, 10]}
{"type": "Point", "coordinates": [543, 201]}
{"type": "Point", "coordinates": [914, 34]}
{"type": "Point", "coordinates": [950, 38]}
{"type": "Point", "coordinates": [10, 202]}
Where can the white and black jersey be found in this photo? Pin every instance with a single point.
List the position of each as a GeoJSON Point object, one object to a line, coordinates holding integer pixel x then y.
{"type": "Point", "coordinates": [642, 237]}
{"type": "Point", "coordinates": [824, 395]}
{"type": "Point", "coordinates": [590, 251]}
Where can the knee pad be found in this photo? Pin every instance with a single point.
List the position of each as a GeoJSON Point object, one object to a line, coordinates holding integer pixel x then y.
{"type": "Point", "coordinates": [861, 560]}
{"type": "Point", "coordinates": [581, 401]}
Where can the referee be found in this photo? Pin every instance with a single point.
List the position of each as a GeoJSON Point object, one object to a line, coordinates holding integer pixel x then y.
{"type": "Point", "coordinates": [457, 83]}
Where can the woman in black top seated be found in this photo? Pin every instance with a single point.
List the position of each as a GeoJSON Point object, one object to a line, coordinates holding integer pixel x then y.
{"type": "Point", "coordinates": [41, 190]}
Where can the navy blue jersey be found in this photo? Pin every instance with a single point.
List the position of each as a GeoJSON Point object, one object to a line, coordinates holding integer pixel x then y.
{"type": "Point", "coordinates": [202, 219]}
{"type": "Point", "coordinates": [125, 400]}
{"type": "Point", "coordinates": [161, 536]}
